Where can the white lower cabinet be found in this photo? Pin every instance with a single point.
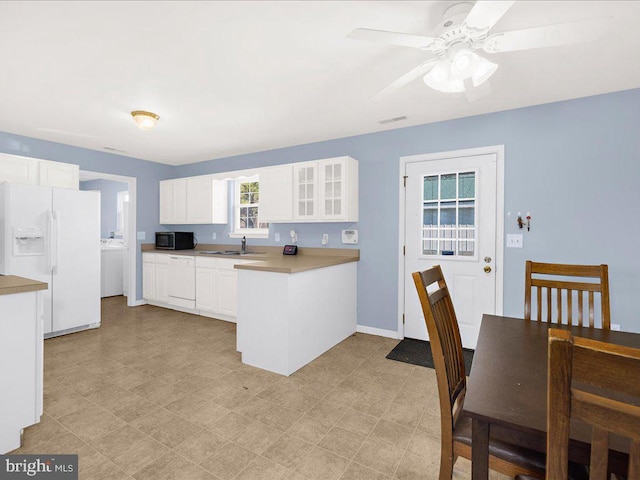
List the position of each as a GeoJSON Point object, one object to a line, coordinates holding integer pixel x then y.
{"type": "Point", "coordinates": [162, 279]}
{"type": "Point", "coordinates": [227, 278]}
{"type": "Point", "coordinates": [148, 276]}
{"type": "Point", "coordinates": [205, 287]}
{"type": "Point", "coordinates": [216, 285]}
{"type": "Point", "coordinates": [21, 367]}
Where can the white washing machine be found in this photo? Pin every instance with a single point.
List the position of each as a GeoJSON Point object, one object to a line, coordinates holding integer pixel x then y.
{"type": "Point", "coordinates": [112, 272]}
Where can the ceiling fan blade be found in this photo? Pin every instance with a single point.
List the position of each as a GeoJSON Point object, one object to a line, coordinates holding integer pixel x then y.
{"type": "Point", "coordinates": [485, 14]}
{"type": "Point", "coordinates": [547, 36]}
{"type": "Point", "coordinates": [408, 77]}
{"type": "Point", "coordinates": [392, 38]}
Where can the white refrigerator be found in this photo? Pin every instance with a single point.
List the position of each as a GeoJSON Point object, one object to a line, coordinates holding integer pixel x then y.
{"type": "Point", "coordinates": [53, 235]}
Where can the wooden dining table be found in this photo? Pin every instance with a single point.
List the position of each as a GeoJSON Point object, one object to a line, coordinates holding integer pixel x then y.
{"type": "Point", "coordinates": [507, 390]}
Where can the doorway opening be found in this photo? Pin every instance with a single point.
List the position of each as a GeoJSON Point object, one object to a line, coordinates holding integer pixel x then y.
{"type": "Point", "coordinates": [124, 225]}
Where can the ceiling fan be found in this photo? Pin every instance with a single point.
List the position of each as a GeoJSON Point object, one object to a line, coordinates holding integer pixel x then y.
{"type": "Point", "coordinates": [465, 29]}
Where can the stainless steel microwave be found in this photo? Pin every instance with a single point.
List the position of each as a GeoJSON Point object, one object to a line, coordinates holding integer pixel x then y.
{"type": "Point", "coordinates": [174, 240]}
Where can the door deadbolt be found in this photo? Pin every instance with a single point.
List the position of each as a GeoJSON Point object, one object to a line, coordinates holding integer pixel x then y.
{"type": "Point", "coordinates": [487, 259]}
{"type": "Point", "coordinates": [487, 269]}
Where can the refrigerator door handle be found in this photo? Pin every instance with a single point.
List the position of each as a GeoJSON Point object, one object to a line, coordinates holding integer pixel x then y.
{"type": "Point", "coordinates": [56, 244]}
{"type": "Point", "coordinates": [50, 243]}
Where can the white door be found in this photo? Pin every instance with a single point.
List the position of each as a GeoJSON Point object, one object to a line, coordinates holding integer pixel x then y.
{"type": "Point", "coordinates": [76, 272]}
{"type": "Point", "coordinates": [450, 220]}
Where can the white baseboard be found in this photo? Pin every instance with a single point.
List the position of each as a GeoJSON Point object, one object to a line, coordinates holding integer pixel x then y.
{"type": "Point", "coordinates": [377, 331]}
{"type": "Point", "coordinates": [138, 303]}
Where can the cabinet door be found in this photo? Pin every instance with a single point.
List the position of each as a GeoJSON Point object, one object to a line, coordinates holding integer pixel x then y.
{"type": "Point", "coordinates": [57, 174]}
{"type": "Point", "coordinates": [206, 289]}
{"type": "Point", "coordinates": [148, 281]}
{"type": "Point", "coordinates": [227, 289]}
{"type": "Point", "coordinates": [332, 188]}
{"type": "Point", "coordinates": [199, 199]}
{"type": "Point", "coordinates": [18, 169]}
{"type": "Point", "coordinates": [161, 283]}
{"type": "Point", "coordinates": [305, 192]}
{"type": "Point", "coordinates": [179, 200]}
{"type": "Point", "coordinates": [166, 201]}
{"type": "Point", "coordinates": [276, 194]}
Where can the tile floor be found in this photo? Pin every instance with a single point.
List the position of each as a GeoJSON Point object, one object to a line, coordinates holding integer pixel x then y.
{"type": "Point", "coordinates": [159, 394]}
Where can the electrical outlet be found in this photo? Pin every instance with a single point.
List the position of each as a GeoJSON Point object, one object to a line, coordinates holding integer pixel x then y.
{"type": "Point", "coordinates": [277, 236]}
{"type": "Point", "coordinates": [325, 238]}
{"type": "Point", "coordinates": [142, 236]}
{"type": "Point", "coordinates": [615, 326]}
{"type": "Point", "coordinates": [213, 236]}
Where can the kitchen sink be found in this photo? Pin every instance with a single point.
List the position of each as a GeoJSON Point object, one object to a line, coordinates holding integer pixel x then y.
{"type": "Point", "coordinates": [226, 252]}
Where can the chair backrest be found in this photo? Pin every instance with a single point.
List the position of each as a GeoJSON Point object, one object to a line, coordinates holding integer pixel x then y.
{"type": "Point", "coordinates": [446, 347]}
{"type": "Point", "coordinates": [599, 384]}
{"type": "Point", "coordinates": [564, 299]}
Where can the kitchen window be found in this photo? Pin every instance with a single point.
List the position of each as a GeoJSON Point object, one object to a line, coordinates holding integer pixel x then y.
{"type": "Point", "coordinates": [247, 209]}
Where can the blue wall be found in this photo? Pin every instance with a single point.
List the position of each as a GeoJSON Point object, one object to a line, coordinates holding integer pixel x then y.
{"type": "Point", "coordinates": [108, 202]}
{"type": "Point", "coordinates": [574, 165]}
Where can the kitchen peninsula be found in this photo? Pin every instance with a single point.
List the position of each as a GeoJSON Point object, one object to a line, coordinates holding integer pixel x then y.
{"type": "Point", "coordinates": [21, 357]}
{"type": "Point", "coordinates": [289, 308]}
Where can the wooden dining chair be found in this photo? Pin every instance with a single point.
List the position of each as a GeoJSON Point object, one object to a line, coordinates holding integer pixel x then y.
{"type": "Point", "coordinates": [562, 295]}
{"type": "Point", "coordinates": [446, 347]}
{"type": "Point", "coordinates": [599, 384]}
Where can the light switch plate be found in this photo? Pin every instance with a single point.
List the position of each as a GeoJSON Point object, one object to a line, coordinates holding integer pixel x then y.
{"type": "Point", "coordinates": [514, 240]}
{"type": "Point", "coordinates": [142, 236]}
{"type": "Point", "coordinates": [277, 237]}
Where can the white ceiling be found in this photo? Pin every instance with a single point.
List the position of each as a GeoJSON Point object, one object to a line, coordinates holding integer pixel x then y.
{"type": "Point", "coordinates": [235, 77]}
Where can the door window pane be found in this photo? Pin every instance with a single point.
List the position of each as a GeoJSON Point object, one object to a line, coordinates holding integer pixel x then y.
{"type": "Point", "coordinates": [430, 188]}
{"type": "Point", "coordinates": [448, 186]}
{"type": "Point", "coordinates": [448, 214]}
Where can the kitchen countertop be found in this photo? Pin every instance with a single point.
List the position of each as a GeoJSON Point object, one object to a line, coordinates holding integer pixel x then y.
{"type": "Point", "coordinates": [13, 284]}
{"type": "Point", "coordinates": [271, 259]}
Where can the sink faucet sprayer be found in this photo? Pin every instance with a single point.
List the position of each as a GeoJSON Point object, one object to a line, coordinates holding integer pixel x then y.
{"type": "Point", "coordinates": [243, 247]}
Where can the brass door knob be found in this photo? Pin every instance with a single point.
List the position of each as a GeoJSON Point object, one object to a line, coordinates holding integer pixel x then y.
{"type": "Point", "coordinates": [487, 269]}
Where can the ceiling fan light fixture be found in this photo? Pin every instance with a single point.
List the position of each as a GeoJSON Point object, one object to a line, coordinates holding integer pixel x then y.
{"type": "Point", "coordinates": [483, 71]}
{"type": "Point", "coordinates": [464, 64]}
{"type": "Point", "coordinates": [145, 120]}
{"type": "Point", "coordinates": [439, 79]}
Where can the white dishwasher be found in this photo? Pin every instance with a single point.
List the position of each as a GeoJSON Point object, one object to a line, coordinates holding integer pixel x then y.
{"type": "Point", "coordinates": [181, 281]}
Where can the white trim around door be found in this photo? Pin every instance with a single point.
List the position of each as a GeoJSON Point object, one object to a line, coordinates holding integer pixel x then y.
{"type": "Point", "coordinates": [498, 150]}
{"type": "Point", "coordinates": [132, 229]}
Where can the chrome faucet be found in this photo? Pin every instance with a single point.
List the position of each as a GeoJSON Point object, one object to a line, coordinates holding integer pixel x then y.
{"type": "Point", "coordinates": [243, 246]}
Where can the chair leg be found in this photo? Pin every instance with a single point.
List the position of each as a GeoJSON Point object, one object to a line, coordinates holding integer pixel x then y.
{"type": "Point", "coordinates": [446, 467]}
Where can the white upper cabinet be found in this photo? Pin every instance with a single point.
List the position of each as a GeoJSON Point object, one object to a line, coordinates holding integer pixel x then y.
{"type": "Point", "coordinates": [325, 191]}
{"type": "Point", "coordinates": [17, 169]}
{"type": "Point", "coordinates": [61, 175]}
{"type": "Point", "coordinates": [166, 201]}
{"type": "Point", "coordinates": [338, 184]}
{"type": "Point", "coordinates": [305, 191]}
{"type": "Point", "coordinates": [193, 200]}
{"type": "Point", "coordinates": [206, 200]}
{"type": "Point", "coordinates": [179, 200]}
{"type": "Point", "coordinates": [276, 193]}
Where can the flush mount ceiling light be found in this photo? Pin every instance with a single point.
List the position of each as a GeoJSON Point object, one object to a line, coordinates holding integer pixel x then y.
{"type": "Point", "coordinates": [145, 120]}
{"type": "Point", "coordinates": [466, 27]}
